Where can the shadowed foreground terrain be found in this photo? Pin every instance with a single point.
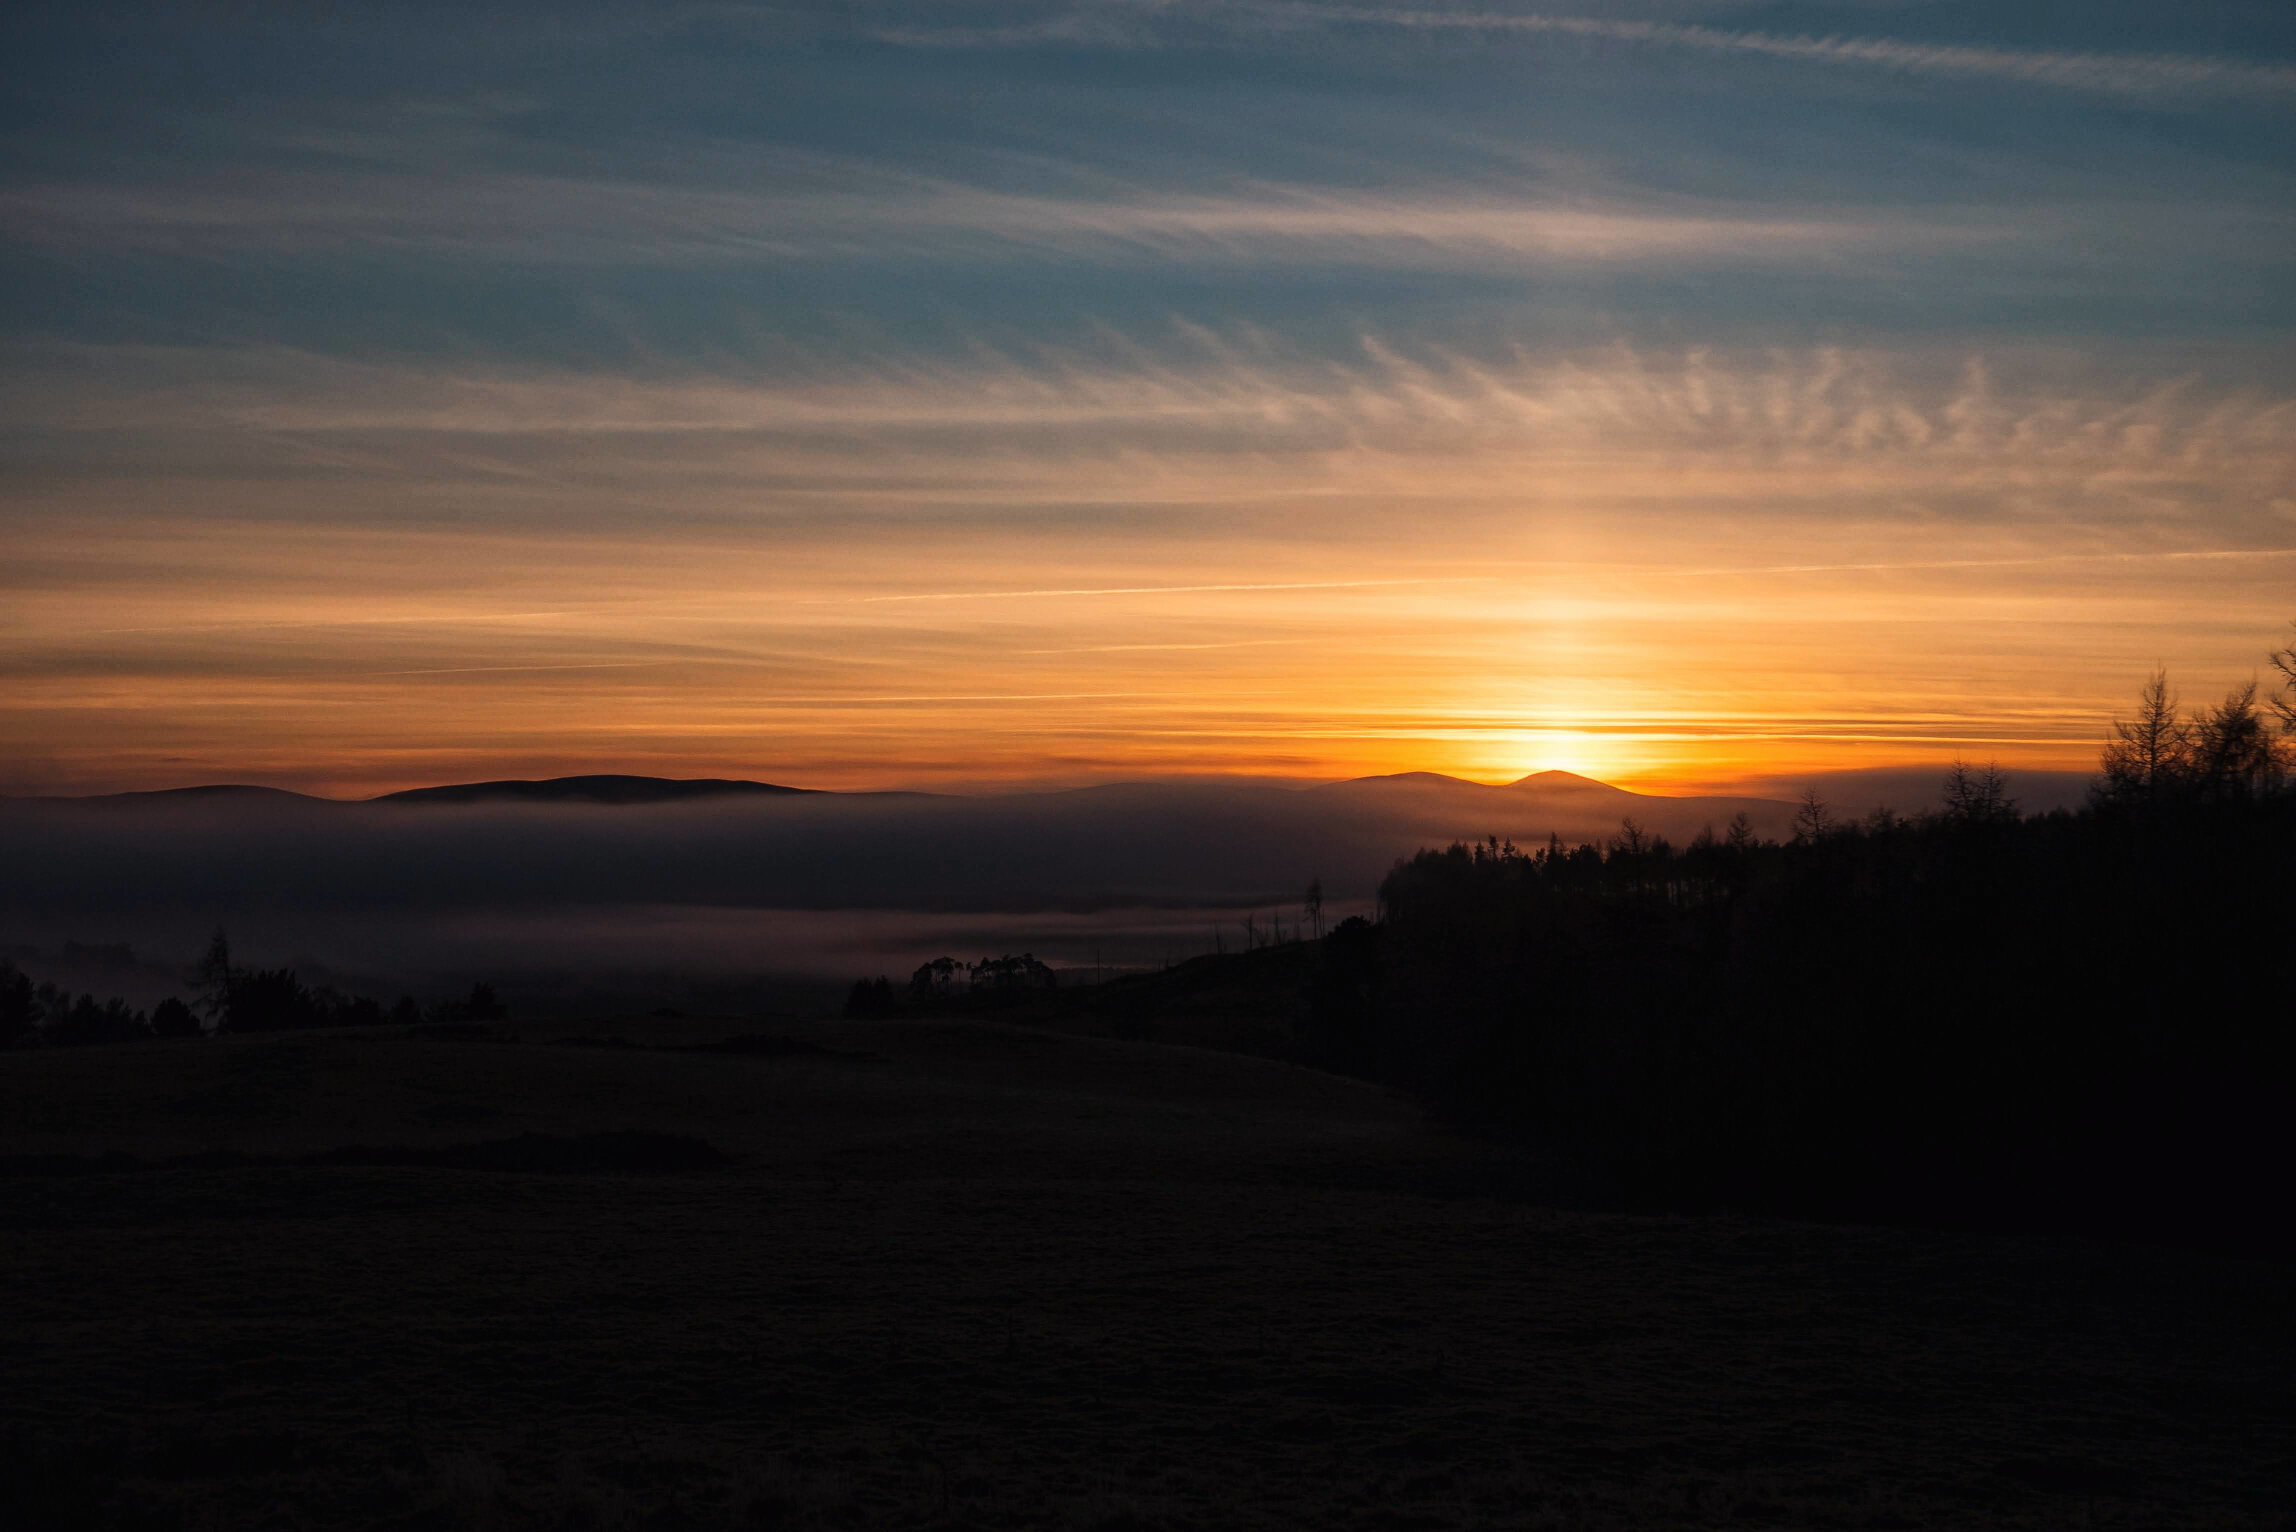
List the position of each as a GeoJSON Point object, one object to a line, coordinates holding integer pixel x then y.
{"type": "Point", "coordinates": [948, 1273]}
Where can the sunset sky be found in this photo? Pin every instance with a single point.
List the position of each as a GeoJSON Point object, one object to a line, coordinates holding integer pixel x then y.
{"type": "Point", "coordinates": [952, 394]}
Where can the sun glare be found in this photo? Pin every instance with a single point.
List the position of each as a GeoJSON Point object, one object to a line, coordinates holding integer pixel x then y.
{"type": "Point", "coordinates": [1536, 750]}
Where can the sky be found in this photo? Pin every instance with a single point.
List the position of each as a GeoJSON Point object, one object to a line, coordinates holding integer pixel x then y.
{"type": "Point", "coordinates": [954, 395]}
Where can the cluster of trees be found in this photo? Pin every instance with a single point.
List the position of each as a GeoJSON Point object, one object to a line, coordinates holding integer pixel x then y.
{"type": "Point", "coordinates": [2073, 1019]}
{"type": "Point", "coordinates": [225, 998]}
{"type": "Point", "coordinates": [945, 979]}
{"type": "Point", "coordinates": [49, 1013]}
{"type": "Point", "coordinates": [2225, 754]}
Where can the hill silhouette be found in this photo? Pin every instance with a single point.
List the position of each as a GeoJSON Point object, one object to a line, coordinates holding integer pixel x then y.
{"type": "Point", "coordinates": [1562, 803]}
{"type": "Point", "coordinates": [1566, 781]}
{"type": "Point", "coordinates": [606, 788]}
{"type": "Point", "coordinates": [213, 792]}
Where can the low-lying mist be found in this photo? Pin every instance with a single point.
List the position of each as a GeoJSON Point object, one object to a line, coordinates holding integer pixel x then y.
{"type": "Point", "coordinates": [580, 900]}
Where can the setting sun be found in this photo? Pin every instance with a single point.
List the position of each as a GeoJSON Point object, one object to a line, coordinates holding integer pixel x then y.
{"type": "Point", "coordinates": [1132, 765]}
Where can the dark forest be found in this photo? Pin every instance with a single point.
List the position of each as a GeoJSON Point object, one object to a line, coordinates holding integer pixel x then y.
{"type": "Point", "coordinates": [1970, 1015]}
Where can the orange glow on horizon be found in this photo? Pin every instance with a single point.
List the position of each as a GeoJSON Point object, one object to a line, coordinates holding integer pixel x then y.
{"type": "Point", "coordinates": [687, 668]}
{"type": "Point", "coordinates": [1502, 586]}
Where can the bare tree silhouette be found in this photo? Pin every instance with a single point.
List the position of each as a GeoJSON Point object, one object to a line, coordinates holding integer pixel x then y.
{"type": "Point", "coordinates": [2150, 755]}
{"type": "Point", "coordinates": [2233, 753]}
{"type": "Point", "coordinates": [2284, 661]}
{"type": "Point", "coordinates": [213, 979]}
{"type": "Point", "coordinates": [1976, 797]}
{"type": "Point", "coordinates": [1813, 821]}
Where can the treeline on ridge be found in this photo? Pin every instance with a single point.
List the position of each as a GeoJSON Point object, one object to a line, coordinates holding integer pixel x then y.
{"type": "Point", "coordinates": [2078, 1020]}
{"type": "Point", "coordinates": [2074, 1020]}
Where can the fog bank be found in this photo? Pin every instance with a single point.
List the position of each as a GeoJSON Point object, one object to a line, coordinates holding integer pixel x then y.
{"type": "Point", "coordinates": [817, 886]}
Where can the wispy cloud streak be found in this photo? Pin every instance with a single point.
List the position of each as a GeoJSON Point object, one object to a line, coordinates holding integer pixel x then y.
{"type": "Point", "coordinates": [2036, 561]}
{"type": "Point", "coordinates": [2127, 74]}
{"type": "Point", "coordinates": [1169, 590]}
{"type": "Point", "coordinates": [885, 217]}
{"type": "Point", "coordinates": [1217, 412]}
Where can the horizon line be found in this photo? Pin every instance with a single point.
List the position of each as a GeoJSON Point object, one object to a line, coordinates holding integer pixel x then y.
{"type": "Point", "coordinates": [1747, 786]}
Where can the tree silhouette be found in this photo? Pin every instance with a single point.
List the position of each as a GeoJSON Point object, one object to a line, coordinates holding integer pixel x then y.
{"type": "Point", "coordinates": [1813, 821]}
{"type": "Point", "coordinates": [2149, 756]}
{"type": "Point", "coordinates": [1976, 797]}
{"type": "Point", "coordinates": [172, 1018]}
{"type": "Point", "coordinates": [2233, 754]}
{"type": "Point", "coordinates": [86, 1021]}
{"type": "Point", "coordinates": [2284, 661]}
{"type": "Point", "coordinates": [213, 979]}
{"type": "Point", "coordinates": [935, 979]}
{"type": "Point", "coordinates": [2226, 755]}
{"type": "Point", "coordinates": [270, 1000]}
{"type": "Point", "coordinates": [870, 997]}
{"type": "Point", "coordinates": [19, 1006]}
{"type": "Point", "coordinates": [1011, 973]}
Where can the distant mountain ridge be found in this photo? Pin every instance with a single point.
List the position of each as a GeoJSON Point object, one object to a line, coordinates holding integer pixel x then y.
{"type": "Point", "coordinates": [1537, 781]}
{"type": "Point", "coordinates": [1561, 802]}
{"type": "Point", "coordinates": [1571, 781]}
{"type": "Point", "coordinates": [615, 789]}
{"type": "Point", "coordinates": [603, 788]}
{"type": "Point", "coordinates": [1436, 802]}
{"type": "Point", "coordinates": [606, 788]}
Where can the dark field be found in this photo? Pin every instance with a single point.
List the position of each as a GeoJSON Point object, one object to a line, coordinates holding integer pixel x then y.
{"type": "Point", "coordinates": [959, 1274]}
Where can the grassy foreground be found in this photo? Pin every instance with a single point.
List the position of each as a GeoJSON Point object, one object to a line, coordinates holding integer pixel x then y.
{"type": "Point", "coordinates": [955, 1273]}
